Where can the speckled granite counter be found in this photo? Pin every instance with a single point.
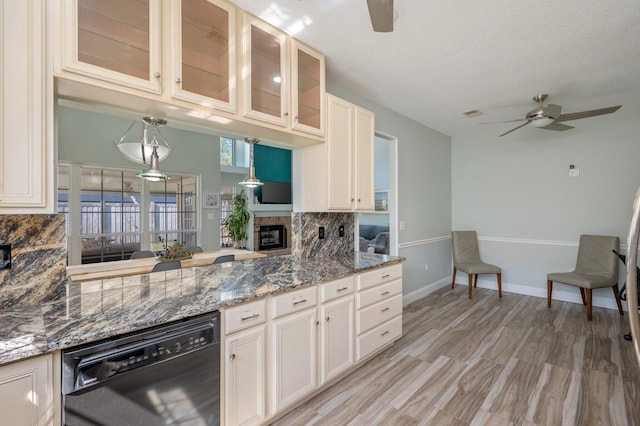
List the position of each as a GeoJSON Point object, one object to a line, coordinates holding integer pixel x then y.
{"type": "Point", "coordinates": [94, 310]}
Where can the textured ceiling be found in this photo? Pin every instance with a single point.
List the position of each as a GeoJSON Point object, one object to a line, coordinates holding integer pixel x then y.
{"type": "Point", "coordinates": [446, 57]}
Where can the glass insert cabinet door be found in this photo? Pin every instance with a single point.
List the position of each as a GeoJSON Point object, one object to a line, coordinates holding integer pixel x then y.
{"type": "Point", "coordinates": [308, 88]}
{"type": "Point", "coordinates": [266, 77]}
{"type": "Point", "coordinates": [204, 63]}
{"type": "Point", "coordinates": [116, 41]}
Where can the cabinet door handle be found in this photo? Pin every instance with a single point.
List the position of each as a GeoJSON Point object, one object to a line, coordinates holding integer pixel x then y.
{"type": "Point", "coordinates": [286, 114]}
{"type": "Point", "coordinates": [156, 74]}
{"type": "Point", "coordinates": [384, 310]}
{"type": "Point", "coordinates": [178, 80]}
{"type": "Point", "coordinates": [327, 319]}
{"type": "Point", "coordinates": [249, 317]}
{"type": "Point", "coordinates": [385, 293]}
{"type": "Point", "coordinates": [342, 289]}
{"type": "Point", "coordinates": [352, 200]}
{"type": "Point", "coordinates": [386, 332]}
{"type": "Point", "coordinates": [232, 357]}
{"type": "Point", "coordinates": [358, 199]}
{"type": "Point", "coordinates": [299, 302]}
{"type": "Point", "coordinates": [386, 276]}
{"type": "Point", "coordinates": [317, 322]}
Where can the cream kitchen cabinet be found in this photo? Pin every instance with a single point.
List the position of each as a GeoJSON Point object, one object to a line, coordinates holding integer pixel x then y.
{"type": "Point", "coordinates": [284, 80]}
{"type": "Point", "coordinates": [378, 309]}
{"type": "Point", "coordinates": [26, 110]}
{"type": "Point", "coordinates": [118, 42]}
{"type": "Point", "coordinates": [203, 54]}
{"type": "Point", "coordinates": [339, 175]}
{"type": "Point", "coordinates": [26, 392]}
{"type": "Point", "coordinates": [244, 364]}
{"type": "Point", "coordinates": [336, 349]}
{"type": "Point", "coordinates": [293, 346]}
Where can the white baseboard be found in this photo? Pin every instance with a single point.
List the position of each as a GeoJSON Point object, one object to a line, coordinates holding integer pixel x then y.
{"type": "Point", "coordinates": [422, 292]}
{"type": "Point", "coordinates": [561, 292]}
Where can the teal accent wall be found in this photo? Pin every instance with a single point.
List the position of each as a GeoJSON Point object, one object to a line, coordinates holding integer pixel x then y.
{"type": "Point", "coordinates": [272, 164]}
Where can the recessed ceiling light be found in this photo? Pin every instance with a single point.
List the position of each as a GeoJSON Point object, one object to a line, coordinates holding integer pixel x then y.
{"type": "Point", "coordinates": [473, 113]}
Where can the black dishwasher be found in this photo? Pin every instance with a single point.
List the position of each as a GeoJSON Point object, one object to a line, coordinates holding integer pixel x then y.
{"type": "Point", "coordinates": [166, 375]}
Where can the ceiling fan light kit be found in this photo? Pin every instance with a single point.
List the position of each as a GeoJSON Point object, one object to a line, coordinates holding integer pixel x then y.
{"type": "Point", "coordinates": [549, 117]}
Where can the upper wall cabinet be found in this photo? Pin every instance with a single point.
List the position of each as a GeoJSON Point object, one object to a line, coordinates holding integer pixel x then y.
{"type": "Point", "coordinates": [284, 80]}
{"type": "Point", "coordinates": [265, 72]}
{"type": "Point", "coordinates": [307, 88]}
{"type": "Point", "coordinates": [204, 53]}
{"type": "Point", "coordinates": [115, 41]}
{"type": "Point", "coordinates": [338, 175]}
{"type": "Point", "coordinates": [26, 110]}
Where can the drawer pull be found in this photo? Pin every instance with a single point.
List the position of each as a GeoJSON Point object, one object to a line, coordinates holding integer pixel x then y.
{"type": "Point", "coordinates": [385, 293]}
{"type": "Point", "coordinates": [384, 310]}
{"type": "Point", "coordinates": [386, 332]}
{"type": "Point", "coordinates": [299, 302]}
{"type": "Point", "coordinates": [386, 276]}
{"type": "Point", "coordinates": [327, 319]}
{"type": "Point", "coordinates": [250, 317]}
{"type": "Point", "coordinates": [317, 322]}
{"type": "Point", "coordinates": [342, 289]}
{"type": "Point", "coordinates": [232, 356]}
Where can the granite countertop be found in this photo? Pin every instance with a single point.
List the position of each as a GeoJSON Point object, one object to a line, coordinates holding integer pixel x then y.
{"type": "Point", "coordinates": [94, 310]}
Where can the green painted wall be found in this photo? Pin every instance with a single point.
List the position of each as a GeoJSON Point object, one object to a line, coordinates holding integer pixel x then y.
{"type": "Point", "coordinates": [272, 164]}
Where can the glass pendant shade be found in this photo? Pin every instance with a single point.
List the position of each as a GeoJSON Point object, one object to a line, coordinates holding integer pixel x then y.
{"type": "Point", "coordinates": [251, 181]}
{"type": "Point", "coordinates": [139, 149]}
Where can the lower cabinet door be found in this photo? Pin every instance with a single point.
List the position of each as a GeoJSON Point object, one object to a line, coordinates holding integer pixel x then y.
{"type": "Point", "coordinates": [245, 377]}
{"type": "Point", "coordinates": [336, 337]}
{"type": "Point", "coordinates": [293, 357]}
{"type": "Point", "coordinates": [26, 392]}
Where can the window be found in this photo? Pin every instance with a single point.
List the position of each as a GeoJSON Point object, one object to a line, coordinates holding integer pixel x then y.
{"type": "Point", "coordinates": [233, 153]}
{"type": "Point", "coordinates": [104, 211]}
{"type": "Point", "coordinates": [226, 197]}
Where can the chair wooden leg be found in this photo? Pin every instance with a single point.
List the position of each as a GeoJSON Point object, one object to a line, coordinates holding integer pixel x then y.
{"type": "Point", "coordinates": [584, 302]}
{"type": "Point", "coordinates": [588, 291]}
{"type": "Point", "coordinates": [470, 286]}
{"type": "Point", "coordinates": [549, 290]}
{"type": "Point", "coordinates": [453, 280]}
{"type": "Point", "coordinates": [616, 293]}
{"type": "Point", "coordinates": [475, 281]}
{"type": "Point", "coordinates": [499, 285]}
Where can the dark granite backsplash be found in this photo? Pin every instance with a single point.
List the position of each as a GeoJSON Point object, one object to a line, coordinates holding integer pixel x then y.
{"type": "Point", "coordinates": [38, 258]}
{"type": "Point", "coordinates": [304, 234]}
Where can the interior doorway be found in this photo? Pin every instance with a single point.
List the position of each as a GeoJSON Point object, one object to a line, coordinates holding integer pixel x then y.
{"type": "Point", "coordinates": [377, 231]}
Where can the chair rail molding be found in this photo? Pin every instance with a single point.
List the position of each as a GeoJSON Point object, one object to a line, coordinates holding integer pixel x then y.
{"type": "Point", "coordinates": [424, 242]}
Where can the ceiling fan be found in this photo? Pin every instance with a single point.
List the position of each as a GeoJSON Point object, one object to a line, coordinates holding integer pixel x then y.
{"type": "Point", "coordinates": [381, 13]}
{"type": "Point", "coordinates": [549, 117]}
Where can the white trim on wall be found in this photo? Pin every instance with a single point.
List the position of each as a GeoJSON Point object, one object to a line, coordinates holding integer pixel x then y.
{"type": "Point", "coordinates": [424, 291]}
{"type": "Point", "coordinates": [423, 242]}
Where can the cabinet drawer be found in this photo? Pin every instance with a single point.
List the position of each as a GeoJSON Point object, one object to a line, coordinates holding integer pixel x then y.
{"type": "Point", "coordinates": [378, 337]}
{"type": "Point", "coordinates": [293, 301]}
{"type": "Point", "coordinates": [243, 316]}
{"type": "Point", "coordinates": [335, 289]}
{"type": "Point", "coordinates": [374, 315]}
{"type": "Point", "coordinates": [379, 276]}
{"type": "Point", "coordinates": [376, 294]}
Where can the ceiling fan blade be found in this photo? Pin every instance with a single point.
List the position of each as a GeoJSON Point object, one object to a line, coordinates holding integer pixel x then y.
{"type": "Point", "coordinates": [587, 114]}
{"type": "Point", "coordinates": [557, 126]}
{"type": "Point", "coordinates": [381, 13]}
{"type": "Point", "coordinates": [515, 128]}
{"type": "Point", "coordinates": [508, 121]}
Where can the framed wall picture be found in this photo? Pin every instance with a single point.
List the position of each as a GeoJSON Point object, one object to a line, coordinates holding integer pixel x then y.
{"type": "Point", "coordinates": [382, 200]}
{"type": "Point", "coordinates": [211, 200]}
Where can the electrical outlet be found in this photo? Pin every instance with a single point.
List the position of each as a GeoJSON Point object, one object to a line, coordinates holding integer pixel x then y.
{"type": "Point", "coordinates": [5, 256]}
{"type": "Point", "coordinates": [341, 231]}
{"type": "Point", "coordinates": [426, 267]}
{"type": "Point", "coordinates": [321, 233]}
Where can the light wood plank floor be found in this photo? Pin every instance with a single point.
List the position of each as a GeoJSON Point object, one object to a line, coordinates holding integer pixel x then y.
{"type": "Point", "coordinates": [490, 361]}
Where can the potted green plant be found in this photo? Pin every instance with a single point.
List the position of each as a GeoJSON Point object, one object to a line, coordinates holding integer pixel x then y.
{"type": "Point", "coordinates": [237, 221]}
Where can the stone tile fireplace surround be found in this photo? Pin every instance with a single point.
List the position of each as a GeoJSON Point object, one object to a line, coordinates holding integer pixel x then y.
{"type": "Point", "coordinates": [268, 221]}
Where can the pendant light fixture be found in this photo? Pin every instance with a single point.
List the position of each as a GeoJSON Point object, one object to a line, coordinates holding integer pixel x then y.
{"type": "Point", "coordinates": [153, 173]}
{"type": "Point", "coordinates": [140, 149]}
{"type": "Point", "coordinates": [251, 181]}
